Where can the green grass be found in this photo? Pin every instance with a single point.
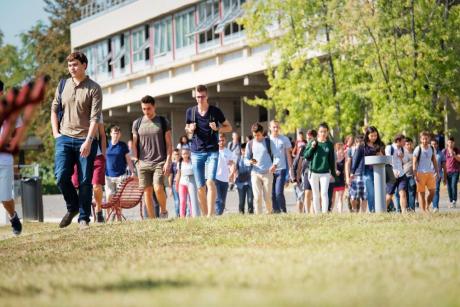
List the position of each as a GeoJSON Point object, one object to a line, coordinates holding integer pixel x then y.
{"type": "Point", "coordinates": [285, 260]}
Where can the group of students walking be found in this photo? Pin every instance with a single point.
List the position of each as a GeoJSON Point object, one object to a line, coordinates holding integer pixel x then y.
{"type": "Point", "coordinates": [204, 167]}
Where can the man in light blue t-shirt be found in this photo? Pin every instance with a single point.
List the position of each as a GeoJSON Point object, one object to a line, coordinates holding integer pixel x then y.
{"type": "Point", "coordinates": [284, 147]}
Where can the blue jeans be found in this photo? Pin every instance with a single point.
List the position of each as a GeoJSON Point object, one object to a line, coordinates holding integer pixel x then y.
{"type": "Point", "coordinates": [66, 155]}
{"type": "Point", "coordinates": [452, 181]}
{"type": "Point", "coordinates": [204, 166]}
{"type": "Point", "coordinates": [278, 199]}
{"type": "Point", "coordinates": [176, 199]}
{"type": "Point", "coordinates": [369, 182]}
{"type": "Point", "coordinates": [244, 192]}
{"type": "Point", "coordinates": [436, 193]}
{"type": "Point", "coordinates": [222, 188]}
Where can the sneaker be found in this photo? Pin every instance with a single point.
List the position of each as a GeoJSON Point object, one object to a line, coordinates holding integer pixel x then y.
{"type": "Point", "coordinates": [67, 219]}
{"type": "Point", "coordinates": [164, 215]}
{"type": "Point", "coordinates": [435, 210]}
{"type": "Point", "coordinates": [100, 217]}
{"type": "Point", "coordinates": [16, 224]}
{"type": "Point", "coordinates": [83, 224]}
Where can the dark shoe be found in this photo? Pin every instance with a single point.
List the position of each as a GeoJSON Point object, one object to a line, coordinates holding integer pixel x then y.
{"type": "Point", "coordinates": [100, 217]}
{"type": "Point", "coordinates": [67, 219]}
{"type": "Point", "coordinates": [16, 224]}
{"type": "Point", "coordinates": [83, 225]}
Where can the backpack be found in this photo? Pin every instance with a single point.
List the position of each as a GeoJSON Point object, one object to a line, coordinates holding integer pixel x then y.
{"type": "Point", "coordinates": [420, 152]}
{"type": "Point", "coordinates": [60, 112]}
{"type": "Point", "coordinates": [164, 126]}
{"type": "Point", "coordinates": [267, 145]}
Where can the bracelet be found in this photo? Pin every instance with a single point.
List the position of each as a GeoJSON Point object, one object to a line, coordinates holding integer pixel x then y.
{"type": "Point", "coordinates": [90, 138]}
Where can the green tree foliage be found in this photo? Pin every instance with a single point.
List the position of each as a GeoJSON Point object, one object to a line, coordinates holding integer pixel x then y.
{"type": "Point", "coordinates": [393, 64]}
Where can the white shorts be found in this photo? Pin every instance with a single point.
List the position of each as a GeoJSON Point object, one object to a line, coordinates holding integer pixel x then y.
{"type": "Point", "coordinates": [112, 183]}
{"type": "Point", "coordinates": [6, 182]}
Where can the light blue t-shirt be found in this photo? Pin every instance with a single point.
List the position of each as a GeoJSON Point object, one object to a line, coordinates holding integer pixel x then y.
{"type": "Point", "coordinates": [281, 143]}
{"type": "Point", "coordinates": [425, 165]}
{"type": "Point", "coordinates": [260, 153]}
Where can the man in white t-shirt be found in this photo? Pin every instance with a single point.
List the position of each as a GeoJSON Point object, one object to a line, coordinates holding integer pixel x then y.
{"type": "Point", "coordinates": [396, 152]}
{"type": "Point", "coordinates": [225, 169]}
{"type": "Point", "coordinates": [284, 147]}
{"type": "Point", "coordinates": [6, 183]}
{"type": "Point", "coordinates": [425, 170]}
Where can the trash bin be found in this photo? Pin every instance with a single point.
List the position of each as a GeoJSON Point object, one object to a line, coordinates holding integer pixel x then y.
{"type": "Point", "coordinates": [32, 199]}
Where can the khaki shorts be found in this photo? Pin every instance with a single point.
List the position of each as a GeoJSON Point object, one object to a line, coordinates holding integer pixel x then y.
{"type": "Point", "coordinates": [427, 180]}
{"type": "Point", "coordinates": [150, 175]}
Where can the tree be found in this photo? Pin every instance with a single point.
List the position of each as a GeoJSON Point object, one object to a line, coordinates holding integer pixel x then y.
{"type": "Point", "coordinates": [392, 63]}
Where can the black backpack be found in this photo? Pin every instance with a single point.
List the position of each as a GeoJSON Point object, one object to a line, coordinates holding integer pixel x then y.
{"type": "Point", "coordinates": [267, 145]}
{"type": "Point", "coordinates": [164, 126]}
{"type": "Point", "coordinates": [60, 112]}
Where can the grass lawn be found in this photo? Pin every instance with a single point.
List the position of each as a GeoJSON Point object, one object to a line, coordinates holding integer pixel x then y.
{"type": "Point", "coordinates": [282, 260]}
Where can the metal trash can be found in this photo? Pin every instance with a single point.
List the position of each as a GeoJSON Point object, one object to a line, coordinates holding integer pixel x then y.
{"type": "Point", "coordinates": [32, 199]}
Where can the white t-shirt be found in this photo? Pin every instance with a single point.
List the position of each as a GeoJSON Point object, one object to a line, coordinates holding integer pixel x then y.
{"type": "Point", "coordinates": [425, 164]}
{"type": "Point", "coordinates": [282, 143]}
{"type": "Point", "coordinates": [7, 158]}
{"type": "Point", "coordinates": [396, 159]}
{"type": "Point", "coordinates": [223, 170]}
{"type": "Point", "coordinates": [186, 172]}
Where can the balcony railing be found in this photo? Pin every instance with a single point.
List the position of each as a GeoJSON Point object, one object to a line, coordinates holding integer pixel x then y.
{"type": "Point", "coordinates": [97, 6]}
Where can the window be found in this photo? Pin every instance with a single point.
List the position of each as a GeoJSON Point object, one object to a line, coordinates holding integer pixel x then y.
{"type": "Point", "coordinates": [162, 37]}
{"type": "Point", "coordinates": [208, 16]}
{"type": "Point", "coordinates": [91, 69]}
{"type": "Point", "coordinates": [232, 10]}
{"type": "Point", "coordinates": [185, 25]}
{"type": "Point", "coordinates": [103, 59]}
{"type": "Point", "coordinates": [121, 52]}
{"type": "Point", "coordinates": [140, 40]}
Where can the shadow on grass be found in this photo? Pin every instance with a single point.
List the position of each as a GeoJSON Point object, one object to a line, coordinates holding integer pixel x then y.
{"type": "Point", "coordinates": [131, 285]}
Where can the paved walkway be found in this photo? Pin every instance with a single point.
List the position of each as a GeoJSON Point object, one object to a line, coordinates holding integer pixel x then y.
{"type": "Point", "coordinates": [54, 207]}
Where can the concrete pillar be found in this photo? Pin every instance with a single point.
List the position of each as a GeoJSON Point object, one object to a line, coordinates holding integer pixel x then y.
{"type": "Point", "coordinates": [378, 163]}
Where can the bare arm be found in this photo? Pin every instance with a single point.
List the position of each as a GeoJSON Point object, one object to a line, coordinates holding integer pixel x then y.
{"type": "Point", "coordinates": [225, 127]}
{"type": "Point", "coordinates": [130, 164]}
{"type": "Point", "coordinates": [169, 150]}
{"type": "Point", "coordinates": [134, 147]}
{"type": "Point", "coordinates": [103, 138]}
{"type": "Point", "coordinates": [54, 124]}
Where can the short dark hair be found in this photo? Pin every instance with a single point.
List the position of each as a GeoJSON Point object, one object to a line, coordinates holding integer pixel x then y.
{"type": "Point", "coordinates": [201, 88]}
{"type": "Point", "coordinates": [115, 128]}
{"type": "Point", "coordinates": [399, 137]}
{"type": "Point", "coordinates": [1, 86]}
{"type": "Point", "coordinates": [176, 150]}
{"type": "Point", "coordinates": [435, 140]}
{"type": "Point", "coordinates": [243, 146]}
{"type": "Point", "coordinates": [409, 140]}
{"type": "Point", "coordinates": [312, 133]}
{"type": "Point", "coordinates": [324, 125]}
{"type": "Point", "coordinates": [257, 127]}
{"type": "Point", "coordinates": [148, 99]}
{"type": "Point", "coordinates": [77, 56]}
{"type": "Point", "coordinates": [451, 138]}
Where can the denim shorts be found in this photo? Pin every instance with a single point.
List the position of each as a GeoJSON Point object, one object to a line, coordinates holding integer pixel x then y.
{"type": "Point", "coordinates": [204, 166]}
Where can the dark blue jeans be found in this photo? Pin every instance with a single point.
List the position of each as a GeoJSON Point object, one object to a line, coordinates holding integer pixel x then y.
{"type": "Point", "coordinates": [245, 192]}
{"type": "Point", "coordinates": [67, 154]}
{"type": "Point", "coordinates": [278, 199]}
{"type": "Point", "coordinates": [222, 188]}
{"type": "Point", "coordinates": [436, 193]}
{"type": "Point", "coordinates": [452, 181]}
{"type": "Point", "coordinates": [176, 199]}
{"type": "Point", "coordinates": [369, 182]}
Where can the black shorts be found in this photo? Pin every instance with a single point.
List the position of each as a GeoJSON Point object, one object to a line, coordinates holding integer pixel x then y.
{"type": "Point", "coordinates": [400, 183]}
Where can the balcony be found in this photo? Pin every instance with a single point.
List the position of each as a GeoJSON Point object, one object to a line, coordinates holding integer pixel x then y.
{"type": "Point", "coordinates": [98, 6]}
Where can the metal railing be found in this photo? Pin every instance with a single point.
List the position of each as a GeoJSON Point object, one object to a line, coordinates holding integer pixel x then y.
{"type": "Point", "coordinates": [97, 6]}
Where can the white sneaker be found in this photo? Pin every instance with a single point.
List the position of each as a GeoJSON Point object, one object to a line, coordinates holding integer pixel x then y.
{"type": "Point", "coordinates": [83, 225]}
{"type": "Point", "coordinates": [454, 204]}
{"type": "Point", "coordinates": [435, 210]}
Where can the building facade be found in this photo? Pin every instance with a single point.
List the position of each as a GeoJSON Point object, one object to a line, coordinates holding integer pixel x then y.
{"type": "Point", "coordinates": [166, 48]}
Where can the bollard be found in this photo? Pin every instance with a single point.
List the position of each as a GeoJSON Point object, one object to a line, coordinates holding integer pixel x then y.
{"type": "Point", "coordinates": [378, 164]}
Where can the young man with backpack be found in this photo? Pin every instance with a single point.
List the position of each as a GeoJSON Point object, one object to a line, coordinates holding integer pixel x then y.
{"type": "Point", "coordinates": [284, 147]}
{"type": "Point", "coordinates": [425, 170]}
{"type": "Point", "coordinates": [75, 113]}
{"type": "Point", "coordinates": [204, 122]}
{"type": "Point", "coordinates": [396, 152]}
{"type": "Point", "coordinates": [152, 147]}
{"type": "Point", "coordinates": [264, 157]}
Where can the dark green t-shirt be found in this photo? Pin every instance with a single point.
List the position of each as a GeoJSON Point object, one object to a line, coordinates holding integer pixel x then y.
{"type": "Point", "coordinates": [151, 140]}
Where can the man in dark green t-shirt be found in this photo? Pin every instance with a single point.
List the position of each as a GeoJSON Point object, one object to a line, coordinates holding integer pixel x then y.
{"type": "Point", "coordinates": [152, 148]}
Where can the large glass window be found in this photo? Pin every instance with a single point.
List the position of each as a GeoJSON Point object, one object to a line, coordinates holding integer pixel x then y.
{"type": "Point", "coordinates": [231, 12]}
{"type": "Point", "coordinates": [185, 25]}
{"type": "Point", "coordinates": [91, 69]}
{"type": "Point", "coordinates": [103, 59]}
{"type": "Point", "coordinates": [120, 59]}
{"type": "Point", "coordinates": [141, 43]}
{"type": "Point", "coordinates": [208, 12]}
{"type": "Point", "coordinates": [162, 37]}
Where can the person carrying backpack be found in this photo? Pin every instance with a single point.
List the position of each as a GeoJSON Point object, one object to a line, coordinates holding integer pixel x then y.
{"type": "Point", "coordinates": [152, 147]}
{"type": "Point", "coordinates": [204, 122]}
{"type": "Point", "coordinates": [263, 155]}
{"type": "Point", "coordinates": [425, 170]}
{"type": "Point", "coordinates": [396, 152]}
